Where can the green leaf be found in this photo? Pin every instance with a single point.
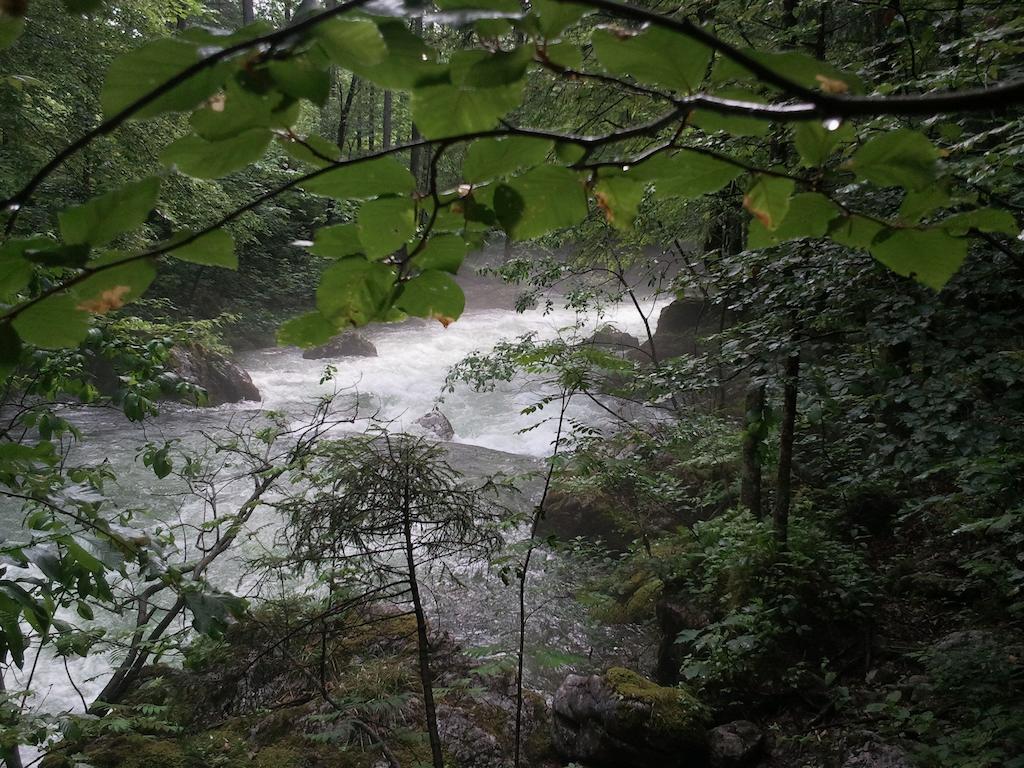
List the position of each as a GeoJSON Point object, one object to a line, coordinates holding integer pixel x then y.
{"type": "Point", "coordinates": [991, 220]}
{"type": "Point", "coordinates": [12, 640]}
{"type": "Point", "coordinates": [810, 214]}
{"type": "Point", "coordinates": [795, 66]}
{"type": "Point", "coordinates": [409, 61]}
{"type": "Point", "coordinates": [15, 269]}
{"type": "Point", "coordinates": [855, 231]}
{"type": "Point", "coordinates": [195, 156]}
{"type": "Point", "coordinates": [768, 199]}
{"type": "Point", "coordinates": [363, 180]}
{"type": "Point", "coordinates": [498, 6]}
{"type": "Point", "coordinates": [442, 252]}
{"type": "Point", "coordinates": [134, 74]}
{"type": "Point", "coordinates": [554, 16]}
{"type": "Point", "coordinates": [903, 158]}
{"type": "Point", "coordinates": [539, 201]}
{"type": "Point", "coordinates": [686, 174]}
{"type": "Point", "coordinates": [240, 109]}
{"type": "Point", "coordinates": [308, 330]}
{"type": "Point", "coordinates": [815, 143]}
{"type": "Point", "coordinates": [655, 56]}
{"type": "Point", "coordinates": [930, 256]}
{"type": "Point", "coordinates": [710, 122]}
{"type": "Point", "coordinates": [54, 322]}
{"type": "Point", "coordinates": [434, 295]}
{"type": "Point", "coordinates": [492, 158]}
{"type": "Point", "coordinates": [353, 292]}
{"type": "Point", "coordinates": [566, 54]}
{"type": "Point", "coordinates": [482, 69]}
{"type": "Point", "coordinates": [10, 350]}
{"type": "Point", "coordinates": [315, 150]}
{"type": "Point", "coordinates": [445, 109]}
{"type": "Point", "coordinates": [619, 197]}
{"type": "Point", "coordinates": [336, 241]}
{"type": "Point", "coordinates": [101, 219]}
{"type": "Point", "coordinates": [11, 28]}
{"type": "Point", "coordinates": [385, 224]}
{"type": "Point", "coordinates": [214, 249]}
{"type": "Point", "coordinates": [351, 43]}
{"type": "Point", "coordinates": [114, 286]}
{"type": "Point", "coordinates": [919, 203]}
{"type": "Point", "coordinates": [301, 78]}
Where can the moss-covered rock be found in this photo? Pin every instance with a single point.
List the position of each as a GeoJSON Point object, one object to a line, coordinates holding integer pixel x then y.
{"type": "Point", "coordinates": [622, 718]}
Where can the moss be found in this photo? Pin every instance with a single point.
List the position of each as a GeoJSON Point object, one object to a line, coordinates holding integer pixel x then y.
{"type": "Point", "coordinates": [672, 711]}
{"type": "Point", "coordinates": [136, 752]}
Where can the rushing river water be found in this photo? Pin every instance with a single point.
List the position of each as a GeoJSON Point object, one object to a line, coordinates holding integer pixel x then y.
{"type": "Point", "coordinates": [402, 383]}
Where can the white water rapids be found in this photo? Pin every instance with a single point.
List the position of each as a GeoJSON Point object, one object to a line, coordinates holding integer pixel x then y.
{"type": "Point", "coordinates": [401, 384]}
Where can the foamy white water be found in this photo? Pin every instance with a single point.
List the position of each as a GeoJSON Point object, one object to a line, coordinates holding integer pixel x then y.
{"type": "Point", "coordinates": [401, 384]}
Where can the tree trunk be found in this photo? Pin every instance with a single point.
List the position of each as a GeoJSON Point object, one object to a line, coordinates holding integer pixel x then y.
{"type": "Point", "coordinates": [783, 491]}
{"type": "Point", "coordinates": [750, 484]}
{"type": "Point", "coordinates": [386, 122]}
{"type": "Point", "coordinates": [248, 12]}
{"type": "Point", "coordinates": [11, 755]}
{"type": "Point", "coordinates": [422, 641]}
{"type": "Point", "coordinates": [344, 111]}
{"type": "Point", "coordinates": [416, 153]}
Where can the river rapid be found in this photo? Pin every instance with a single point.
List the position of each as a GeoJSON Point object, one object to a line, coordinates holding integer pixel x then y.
{"type": "Point", "coordinates": [405, 381]}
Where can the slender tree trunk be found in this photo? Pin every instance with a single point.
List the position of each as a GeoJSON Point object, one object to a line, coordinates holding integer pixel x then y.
{"type": "Point", "coordinates": [750, 483]}
{"type": "Point", "coordinates": [345, 111]}
{"type": "Point", "coordinates": [421, 634]}
{"type": "Point", "coordinates": [12, 755]}
{"type": "Point", "coordinates": [248, 12]}
{"type": "Point", "coordinates": [783, 490]}
{"type": "Point", "coordinates": [386, 121]}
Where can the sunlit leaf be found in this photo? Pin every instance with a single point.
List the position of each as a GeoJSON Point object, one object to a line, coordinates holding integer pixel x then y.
{"type": "Point", "coordinates": [930, 256]}
{"type": "Point", "coordinates": [101, 219]}
{"type": "Point", "coordinates": [491, 158]}
{"type": "Point", "coordinates": [902, 158]}
{"type": "Point", "coordinates": [385, 224]}
{"type": "Point", "coordinates": [214, 249]}
{"type": "Point", "coordinates": [195, 156]}
{"type": "Point", "coordinates": [539, 201]}
{"type": "Point", "coordinates": [434, 295]}
{"type": "Point", "coordinates": [655, 56]}
{"type": "Point", "coordinates": [354, 291]}
{"type": "Point", "coordinates": [363, 180]}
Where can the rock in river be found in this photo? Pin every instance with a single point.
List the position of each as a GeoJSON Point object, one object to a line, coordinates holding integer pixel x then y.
{"type": "Point", "coordinates": [342, 345]}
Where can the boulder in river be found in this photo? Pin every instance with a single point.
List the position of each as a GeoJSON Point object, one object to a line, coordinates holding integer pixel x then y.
{"type": "Point", "coordinates": [612, 339]}
{"type": "Point", "coordinates": [437, 424]}
{"type": "Point", "coordinates": [682, 325]}
{"type": "Point", "coordinates": [569, 515]}
{"type": "Point", "coordinates": [223, 379]}
{"type": "Point", "coordinates": [621, 718]}
{"type": "Point", "coordinates": [342, 345]}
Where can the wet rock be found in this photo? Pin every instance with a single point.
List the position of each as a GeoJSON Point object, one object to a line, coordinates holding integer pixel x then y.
{"type": "Point", "coordinates": [437, 424]}
{"type": "Point", "coordinates": [682, 325]}
{"type": "Point", "coordinates": [614, 340]}
{"type": "Point", "coordinates": [621, 718]}
{"type": "Point", "coordinates": [569, 516]}
{"type": "Point", "coordinates": [738, 744]}
{"type": "Point", "coordinates": [878, 755]}
{"type": "Point", "coordinates": [223, 379]}
{"type": "Point", "coordinates": [342, 345]}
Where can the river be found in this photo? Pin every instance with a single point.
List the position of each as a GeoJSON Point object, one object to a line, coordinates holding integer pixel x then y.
{"type": "Point", "coordinates": [402, 383]}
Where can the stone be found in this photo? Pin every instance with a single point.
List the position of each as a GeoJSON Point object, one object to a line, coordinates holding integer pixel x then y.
{"type": "Point", "coordinates": [621, 718]}
{"type": "Point", "coordinates": [223, 379]}
{"type": "Point", "coordinates": [436, 424]}
{"type": "Point", "coordinates": [878, 755]}
{"type": "Point", "coordinates": [568, 516]}
{"type": "Point", "coordinates": [682, 324]}
{"type": "Point", "coordinates": [738, 744]}
{"type": "Point", "coordinates": [342, 345]}
{"type": "Point", "coordinates": [614, 340]}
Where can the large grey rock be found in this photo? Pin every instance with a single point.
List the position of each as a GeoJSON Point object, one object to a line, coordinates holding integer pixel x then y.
{"type": "Point", "coordinates": [738, 744]}
{"type": "Point", "coordinates": [437, 424]}
{"type": "Point", "coordinates": [682, 325]}
{"type": "Point", "coordinates": [569, 515]}
{"type": "Point", "coordinates": [878, 755]}
{"type": "Point", "coordinates": [614, 340]}
{"type": "Point", "coordinates": [621, 719]}
{"type": "Point", "coordinates": [343, 345]}
{"type": "Point", "coordinates": [223, 379]}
